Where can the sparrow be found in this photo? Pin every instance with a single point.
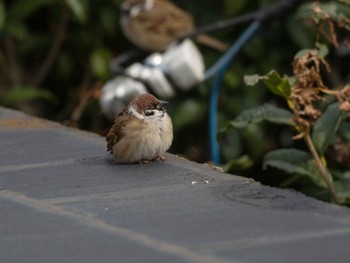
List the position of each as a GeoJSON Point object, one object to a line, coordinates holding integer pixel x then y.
{"type": "Point", "coordinates": [153, 25]}
{"type": "Point", "coordinates": [142, 131]}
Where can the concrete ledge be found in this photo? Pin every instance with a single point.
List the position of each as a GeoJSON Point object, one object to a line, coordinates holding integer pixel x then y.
{"type": "Point", "coordinates": [63, 199]}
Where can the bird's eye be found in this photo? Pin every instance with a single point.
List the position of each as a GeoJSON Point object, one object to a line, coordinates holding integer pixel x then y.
{"type": "Point", "coordinates": [149, 112]}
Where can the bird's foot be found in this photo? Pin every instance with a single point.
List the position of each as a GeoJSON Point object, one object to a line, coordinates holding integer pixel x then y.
{"type": "Point", "coordinates": [144, 162]}
{"type": "Point", "coordinates": [160, 158]}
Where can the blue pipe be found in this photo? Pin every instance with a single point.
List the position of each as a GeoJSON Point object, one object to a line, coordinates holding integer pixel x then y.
{"type": "Point", "coordinates": [219, 69]}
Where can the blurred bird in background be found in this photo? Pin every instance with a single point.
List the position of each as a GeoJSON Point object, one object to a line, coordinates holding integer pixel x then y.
{"type": "Point", "coordinates": [153, 25]}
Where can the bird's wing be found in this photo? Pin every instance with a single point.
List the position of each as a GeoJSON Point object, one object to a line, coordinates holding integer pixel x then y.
{"type": "Point", "coordinates": [116, 132]}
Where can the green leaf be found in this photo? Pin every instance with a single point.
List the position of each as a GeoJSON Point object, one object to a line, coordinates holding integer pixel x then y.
{"type": "Point", "coordinates": [294, 161]}
{"type": "Point", "coordinates": [340, 175]}
{"type": "Point", "coordinates": [326, 126]}
{"type": "Point", "coordinates": [315, 175]}
{"type": "Point", "coordinates": [2, 15]}
{"type": "Point", "coordinates": [252, 80]}
{"type": "Point", "coordinates": [344, 131]}
{"type": "Point", "coordinates": [291, 156]}
{"type": "Point", "coordinates": [99, 61]}
{"type": "Point", "coordinates": [18, 94]}
{"type": "Point", "coordinates": [266, 112]}
{"type": "Point", "coordinates": [321, 51]}
{"type": "Point", "coordinates": [78, 9]}
{"type": "Point", "coordinates": [286, 167]}
{"type": "Point", "coordinates": [273, 81]}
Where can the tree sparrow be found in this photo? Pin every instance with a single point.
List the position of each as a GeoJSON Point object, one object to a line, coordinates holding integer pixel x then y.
{"type": "Point", "coordinates": [142, 131]}
{"type": "Point", "coordinates": [153, 25]}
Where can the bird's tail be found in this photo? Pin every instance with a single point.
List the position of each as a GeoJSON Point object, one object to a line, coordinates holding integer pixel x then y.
{"type": "Point", "coordinates": [212, 42]}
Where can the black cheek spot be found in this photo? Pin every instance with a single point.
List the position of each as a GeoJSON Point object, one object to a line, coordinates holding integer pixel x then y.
{"type": "Point", "coordinates": [149, 113]}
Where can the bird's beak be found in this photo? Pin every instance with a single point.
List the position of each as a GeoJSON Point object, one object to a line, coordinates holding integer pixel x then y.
{"type": "Point", "coordinates": [162, 103]}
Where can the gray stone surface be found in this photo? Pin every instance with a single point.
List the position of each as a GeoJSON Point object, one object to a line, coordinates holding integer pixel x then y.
{"type": "Point", "coordinates": [63, 199]}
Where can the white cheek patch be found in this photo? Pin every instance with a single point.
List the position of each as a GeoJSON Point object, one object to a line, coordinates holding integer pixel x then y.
{"type": "Point", "coordinates": [134, 112]}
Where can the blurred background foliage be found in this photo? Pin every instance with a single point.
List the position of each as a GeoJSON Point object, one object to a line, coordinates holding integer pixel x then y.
{"type": "Point", "coordinates": [55, 55]}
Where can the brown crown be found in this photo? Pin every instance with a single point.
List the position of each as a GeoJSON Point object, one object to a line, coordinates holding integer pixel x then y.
{"type": "Point", "coordinates": [142, 102]}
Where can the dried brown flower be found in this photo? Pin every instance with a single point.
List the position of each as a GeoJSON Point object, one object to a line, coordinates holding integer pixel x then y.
{"type": "Point", "coordinates": [306, 90]}
{"type": "Point", "coordinates": [329, 22]}
{"type": "Point", "coordinates": [344, 98]}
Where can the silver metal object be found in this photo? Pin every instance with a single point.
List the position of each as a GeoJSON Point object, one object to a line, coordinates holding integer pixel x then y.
{"type": "Point", "coordinates": [117, 93]}
{"type": "Point", "coordinates": [181, 63]}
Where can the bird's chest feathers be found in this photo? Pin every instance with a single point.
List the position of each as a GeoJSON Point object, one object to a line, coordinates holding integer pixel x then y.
{"type": "Point", "coordinates": [154, 126]}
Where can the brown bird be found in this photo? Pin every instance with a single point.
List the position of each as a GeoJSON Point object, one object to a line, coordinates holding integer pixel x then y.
{"type": "Point", "coordinates": [153, 25]}
{"type": "Point", "coordinates": [142, 131]}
